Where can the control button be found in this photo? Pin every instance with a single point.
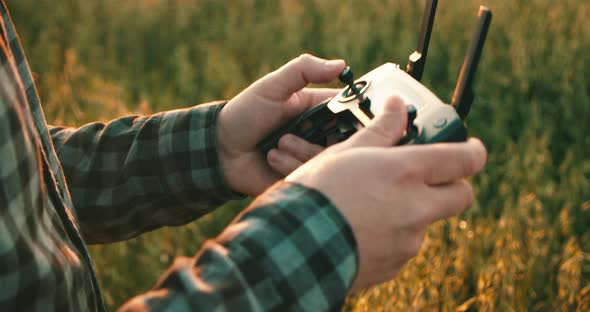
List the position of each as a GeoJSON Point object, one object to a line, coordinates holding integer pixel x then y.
{"type": "Point", "coordinates": [412, 114]}
{"type": "Point", "coordinates": [412, 130]}
{"type": "Point", "coordinates": [441, 122]}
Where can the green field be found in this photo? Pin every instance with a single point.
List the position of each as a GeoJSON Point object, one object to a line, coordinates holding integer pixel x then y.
{"type": "Point", "coordinates": [525, 243]}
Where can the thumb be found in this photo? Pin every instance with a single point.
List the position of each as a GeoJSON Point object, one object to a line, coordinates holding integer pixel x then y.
{"type": "Point", "coordinates": [386, 129]}
{"type": "Point", "coordinates": [295, 75]}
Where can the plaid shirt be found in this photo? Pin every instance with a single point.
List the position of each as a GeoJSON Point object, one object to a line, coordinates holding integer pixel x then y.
{"type": "Point", "coordinates": [293, 252]}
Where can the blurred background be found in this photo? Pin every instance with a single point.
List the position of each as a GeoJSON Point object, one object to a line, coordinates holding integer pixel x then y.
{"type": "Point", "coordinates": [523, 245]}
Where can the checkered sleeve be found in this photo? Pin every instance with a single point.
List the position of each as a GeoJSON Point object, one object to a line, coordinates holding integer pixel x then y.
{"type": "Point", "coordinates": [291, 250]}
{"type": "Point", "coordinates": [138, 173]}
{"type": "Point", "coordinates": [34, 269]}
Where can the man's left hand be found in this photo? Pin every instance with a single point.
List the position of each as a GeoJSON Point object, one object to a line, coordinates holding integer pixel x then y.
{"type": "Point", "coordinates": [262, 108]}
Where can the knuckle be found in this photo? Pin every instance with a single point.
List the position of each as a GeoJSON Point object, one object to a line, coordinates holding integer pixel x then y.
{"type": "Point", "coordinates": [408, 170]}
{"type": "Point", "coordinates": [295, 63]}
{"type": "Point", "coordinates": [304, 58]}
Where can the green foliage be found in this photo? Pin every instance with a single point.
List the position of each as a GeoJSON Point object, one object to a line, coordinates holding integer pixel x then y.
{"type": "Point", "coordinates": [525, 243]}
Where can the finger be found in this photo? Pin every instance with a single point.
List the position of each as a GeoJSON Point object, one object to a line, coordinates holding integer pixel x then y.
{"type": "Point", "coordinates": [309, 97]}
{"type": "Point", "coordinates": [298, 147]}
{"type": "Point", "coordinates": [282, 162]}
{"type": "Point", "coordinates": [443, 163]}
{"type": "Point", "coordinates": [295, 75]}
{"type": "Point", "coordinates": [306, 99]}
{"type": "Point", "coordinates": [451, 199]}
{"type": "Point", "coordinates": [386, 129]}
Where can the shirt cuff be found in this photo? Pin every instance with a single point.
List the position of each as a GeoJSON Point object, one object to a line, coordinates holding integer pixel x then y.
{"type": "Point", "coordinates": [188, 148]}
{"type": "Point", "coordinates": [220, 187]}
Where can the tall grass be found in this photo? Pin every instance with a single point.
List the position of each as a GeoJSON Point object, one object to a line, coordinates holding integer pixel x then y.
{"type": "Point", "coordinates": [525, 243]}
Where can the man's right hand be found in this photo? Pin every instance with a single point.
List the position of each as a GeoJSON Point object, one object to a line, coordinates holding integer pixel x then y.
{"type": "Point", "coordinates": [390, 195]}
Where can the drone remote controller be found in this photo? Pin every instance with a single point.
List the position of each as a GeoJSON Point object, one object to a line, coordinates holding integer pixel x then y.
{"type": "Point", "coordinates": [430, 120]}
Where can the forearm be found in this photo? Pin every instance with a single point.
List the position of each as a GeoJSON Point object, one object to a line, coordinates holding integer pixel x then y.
{"type": "Point", "coordinates": [138, 173]}
{"type": "Point", "coordinates": [290, 250]}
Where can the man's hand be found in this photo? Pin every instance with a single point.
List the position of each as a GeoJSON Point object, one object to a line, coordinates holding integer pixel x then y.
{"type": "Point", "coordinates": [389, 195]}
{"type": "Point", "coordinates": [263, 107]}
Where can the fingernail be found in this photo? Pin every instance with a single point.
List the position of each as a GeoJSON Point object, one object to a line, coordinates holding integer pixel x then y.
{"type": "Point", "coordinates": [335, 63]}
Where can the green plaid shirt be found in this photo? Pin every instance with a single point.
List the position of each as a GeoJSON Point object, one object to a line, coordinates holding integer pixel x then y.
{"type": "Point", "coordinates": [61, 188]}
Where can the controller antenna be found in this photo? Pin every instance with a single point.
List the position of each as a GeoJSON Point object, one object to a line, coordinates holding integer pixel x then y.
{"type": "Point", "coordinates": [463, 96]}
{"type": "Point", "coordinates": [418, 58]}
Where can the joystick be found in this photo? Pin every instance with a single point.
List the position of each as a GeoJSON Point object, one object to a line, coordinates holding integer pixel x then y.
{"type": "Point", "coordinates": [430, 120]}
{"type": "Point", "coordinates": [347, 77]}
{"type": "Point", "coordinates": [355, 90]}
